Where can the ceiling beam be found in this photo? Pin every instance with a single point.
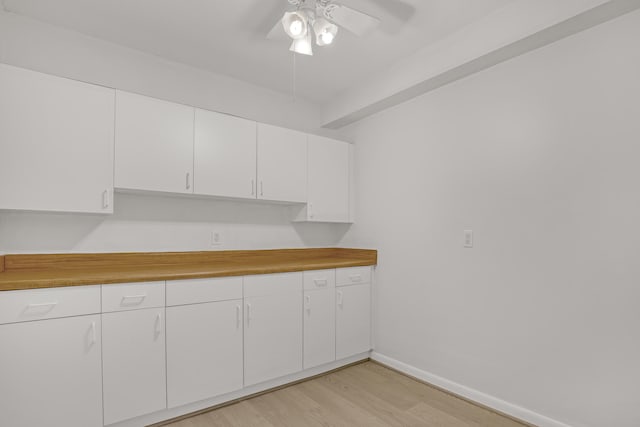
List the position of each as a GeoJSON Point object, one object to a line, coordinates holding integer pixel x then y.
{"type": "Point", "coordinates": [518, 28]}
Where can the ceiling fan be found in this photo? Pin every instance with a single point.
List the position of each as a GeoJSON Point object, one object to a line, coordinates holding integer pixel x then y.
{"type": "Point", "coordinates": [320, 20]}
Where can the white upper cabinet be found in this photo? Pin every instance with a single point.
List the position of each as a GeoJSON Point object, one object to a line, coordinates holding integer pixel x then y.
{"type": "Point", "coordinates": [154, 144]}
{"type": "Point", "coordinates": [282, 164]}
{"type": "Point", "coordinates": [66, 145]}
{"type": "Point", "coordinates": [328, 180]}
{"type": "Point", "coordinates": [56, 143]}
{"type": "Point", "coordinates": [225, 155]}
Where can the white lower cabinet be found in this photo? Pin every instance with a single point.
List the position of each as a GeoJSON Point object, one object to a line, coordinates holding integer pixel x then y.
{"type": "Point", "coordinates": [353, 320]}
{"type": "Point", "coordinates": [133, 359]}
{"type": "Point", "coordinates": [319, 318]}
{"type": "Point", "coordinates": [204, 351]}
{"type": "Point", "coordinates": [273, 326]}
{"type": "Point", "coordinates": [62, 364]}
{"type": "Point", "coordinates": [51, 374]}
{"type": "Point", "coordinates": [319, 327]}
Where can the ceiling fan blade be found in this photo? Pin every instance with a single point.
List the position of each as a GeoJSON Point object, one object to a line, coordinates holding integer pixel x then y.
{"type": "Point", "coordinates": [359, 23]}
{"type": "Point", "coordinates": [277, 32]}
{"type": "Point", "coordinates": [398, 9]}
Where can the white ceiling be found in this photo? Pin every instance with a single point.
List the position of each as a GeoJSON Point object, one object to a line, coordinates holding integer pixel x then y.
{"type": "Point", "coordinates": [228, 37]}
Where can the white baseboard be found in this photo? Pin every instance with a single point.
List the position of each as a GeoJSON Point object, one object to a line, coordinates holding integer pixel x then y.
{"type": "Point", "coordinates": [469, 393]}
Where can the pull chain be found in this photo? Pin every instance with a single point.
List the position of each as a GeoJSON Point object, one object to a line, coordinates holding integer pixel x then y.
{"type": "Point", "coordinates": [294, 77]}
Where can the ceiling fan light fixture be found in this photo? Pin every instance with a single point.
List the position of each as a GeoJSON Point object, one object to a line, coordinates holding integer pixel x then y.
{"type": "Point", "coordinates": [302, 45]}
{"type": "Point", "coordinates": [318, 21]}
{"type": "Point", "coordinates": [325, 31]}
{"type": "Point", "coordinates": [295, 24]}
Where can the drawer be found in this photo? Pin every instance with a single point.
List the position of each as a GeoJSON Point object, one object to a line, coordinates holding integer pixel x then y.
{"type": "Point", "coordinates": [270, 284]}
{"type": "Point", "coordinates": [319, 279]}
{"type": "Point", "coordinates": [353, 275]}
{"type": "Point", "coordinates": [132, 296]}
{"type": "Point", "coordinates": [181, 292]}
{"type": "Point", "coordinates": [37, 304]}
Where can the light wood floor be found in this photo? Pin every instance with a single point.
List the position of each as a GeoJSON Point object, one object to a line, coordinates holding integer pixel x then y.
{"type": "Point", "coordinates": [362, 395]}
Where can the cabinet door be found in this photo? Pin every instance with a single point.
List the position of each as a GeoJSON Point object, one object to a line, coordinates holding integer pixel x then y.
{"type": "Point", "coordinates": [51, 373]}
{"type": "Point", "coordinates": [133, 359]}
{"type": "Point", "coordinates": [282, 164]}
{"type": "Point", "coordinates": [56, 143]}
{"type": "Point", "coordinates": [319, 327]}
{"type": "Point", "coordinates": [272, 337]}
{"type": "Point", "coordinates": [204, 351]}
{"type": "Point", "coordinates": [328, 185]}
{"type": "Point", "coordinates": [353, 320]}
{"type": "Point", "coordinates": [154, 144]}
{"type": "Point", "coordinates": [225, 155]}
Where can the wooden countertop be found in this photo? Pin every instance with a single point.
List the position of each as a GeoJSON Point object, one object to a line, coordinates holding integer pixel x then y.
{"type": "Point", "coordinates": [19, 272]}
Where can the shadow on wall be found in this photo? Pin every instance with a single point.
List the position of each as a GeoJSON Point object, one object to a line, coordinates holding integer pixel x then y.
{"type": "Point", "coordinates": [164, 223]}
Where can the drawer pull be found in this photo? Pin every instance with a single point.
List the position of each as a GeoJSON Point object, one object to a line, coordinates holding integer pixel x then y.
{"type": "Point", "coordinates": [320, 282]}
{"type": "Point", "coordinates": [132, 300]}
{"type": "Point", "coordinates": [356, 277]}
{"type": "Point", "coordinates": [41, 308]}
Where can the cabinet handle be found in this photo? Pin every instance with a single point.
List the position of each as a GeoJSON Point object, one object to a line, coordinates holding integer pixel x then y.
{"type": "Point", "coordinates": [93, 334]}
{"type": "Point", "coordinates": [138, 299]}
{"type": "Point", "coordinates": [48, 305]}
{"type": "Point", "coordinates": [320, 282]}
{"type": "Point", "coordinates": [158, 324]}
{"type": "Point", "coordinates": [340, 300]}
{"type": "Point", "coordinates": [356, 277]}
{"type": "Point", "coordinates": [310, 210]}
{"type": "Point", "coordinates": [261, 188]}
{"type": "Point", "coordinates": [105, 199]}
{"type": "Point", "coordinates": [308, 303]}
{"type": "Point", "coordinates": [188, 181]}
{"type": "Point", "coordinates": [237, 316]}
{"type": "Point", "coordinates": [248, 314]}
{"type": "Point", "coordinates": [253, 187]}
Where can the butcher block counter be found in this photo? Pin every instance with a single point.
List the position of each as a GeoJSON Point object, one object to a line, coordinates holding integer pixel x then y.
{"type": "Point", "coordinates": [32, 271]}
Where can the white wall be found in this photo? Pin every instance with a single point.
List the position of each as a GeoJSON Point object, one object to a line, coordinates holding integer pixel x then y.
{"type": "Point", "coordinates": [27, 43]}
{"type": "Point", "coordinates": [144, 223]}
{"type": "Point", "coordinates": [540, 157]}
{"type": "Point", "coordinates": [163, 223]}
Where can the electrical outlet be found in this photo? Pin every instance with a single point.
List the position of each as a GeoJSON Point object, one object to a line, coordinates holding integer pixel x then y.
{"type": "Point", "coordinates": [468, 238]}
{"type": "Point", "coordinates": [216, 238]}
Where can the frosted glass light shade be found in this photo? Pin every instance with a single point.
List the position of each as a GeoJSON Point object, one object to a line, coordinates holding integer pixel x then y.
{"type": "Point", "coordinates": [295, 24]}
{"type": "Point", "coordinates": [302, 45]}
{"type": "Point", "coordinates": [325, 31]}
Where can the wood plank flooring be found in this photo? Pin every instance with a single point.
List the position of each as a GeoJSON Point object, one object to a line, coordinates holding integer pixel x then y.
{"type": "Point", "coordinates": [362, 395]}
